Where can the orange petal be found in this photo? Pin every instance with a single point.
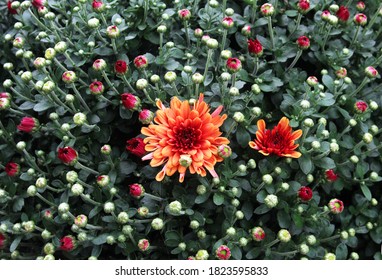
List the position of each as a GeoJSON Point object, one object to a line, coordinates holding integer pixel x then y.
{"type": "Point", "coordinates": [293, 154]}
{"type": "Point", "coordinates": [297, 134]}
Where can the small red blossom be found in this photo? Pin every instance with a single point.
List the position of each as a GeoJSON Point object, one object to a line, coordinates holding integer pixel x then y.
{"type": "Point", "coordinates": [336, 206]}
{"type": "Point", "coordinates": [145, 116]}
{"type": "Point", "coordinates": [130, 101]}
{"type": "Point", "coordinates": [330, 175]}
{"type": "Point", "coordinates": [258, 234]}
{"type": "Point", "coordinates": [305, 193]}
{"type": "Point", "coordinates": [360, 19]}
{"type": "Point", "coordinates": [140, 62]}
{"type": "Point", "coordinates": [233, 64]}
{"type": "Point", "coordinates": [303, 6]}
{"type": "Point", "coordinates": [10, 9]}
{"type": "Point", "coordinates": [2, 240]}
{"type": "Point", "coordinates": [278, 141]}
{"type": "Point", "coordinates": [361, 106]}
{"type": "Point", "coordinates": [371, 72]}
{"type": "Point", "coordinates": [96, 88]}
{"type": "Point", "coordinates": [360, 6]}
{"type": "Point", "coordinates": [341, 73]}
{"type": "Point", "coordinates": [68, 243]}
{"type": "Point", "coordinates": [254, 47]}
{"type": "Point", "coordinates": [39, 3]}
{"type": "Point", "coordinates": [223, 252]}
{"type": "Point", "coordinates": [184, 14]}
{"type": "Point", "coordinates": [98, 6]}
{"type": "Point", "coordinates": [136, 190]}
{"type": "Point", "coordinates": [136, 146]}
{"type": "Point", "coordinates": [28, 124]}
{"type": "Point", "coordinates": [68, 155]}
{"type": "Point", "coordinates": [343, 14]}
{"type": "Point", "coordinates": [303, 42]}
{"type": "Point", "coordinates": [227, 22]}
{"type": "Point", "coordinates": [12, 169]}
{"type": "Point", "coordinates": [120, 67]}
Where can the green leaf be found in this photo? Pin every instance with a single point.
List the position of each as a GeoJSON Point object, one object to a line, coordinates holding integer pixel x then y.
{"type": "Point", "coordinates": [95, 211]}
{"type": "Point", "coordinates": [127, 167]}
{"type": "Point", "coordinates": [18, 204]}
{"type": "Point", "coordinates": [297, 220]}
{"type": "Point", "coordinates": [42, 106]}
{"type": "Point", "coordinates": [124, 113]}
{"type": "Point", "coordinates": [262, 209]}
{"type": "Point", "coordinates": [101, 239]}
{"type": "Point", "coordinates": [325, 163]}
{"type": "Point", "coordinates": [253, 254]}
{"type": "Point", "coordinates": [247, 209]}
{"type": "Point", "coordinates": [15, 243]}
{"type": "Point", "coordinates": [236, 252]}
{"type": "Point", "coordinates": [366, 192]}
{"type": "Point", "coordinates": [328, 82]}
{"type": "Point", "coordinates": [218, 199]}
{"type": "Point", "coordinates": [305, 164]}
{"type": "Point", "coordinates": [341, 251]}
{"type": "Point", "coordinates": [242, 136]}
{"type": "Point", "coordinates": [202, 198]}
{"type": "Point", "coordinates": [284, 219]}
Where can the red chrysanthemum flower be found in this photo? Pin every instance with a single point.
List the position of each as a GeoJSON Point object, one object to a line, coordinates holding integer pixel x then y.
{"type": "Point", "coordinates": [223, 252]}
{"type": "Point", "coordinates": [303, 6]}
{"type": "Point", "coordinates": [2, 240]}
{"type": "Point", "coordinates": [185, 137]}
{"type": "Point", "coordinates": [98, 6]}
{"type": "Point", "coordinates": [136, 146]}
{"type": "Point", "coordinates": [331, 176]}
{"type": "Point", "coordinates": [39, 3]}
{"type": "Point", "coordinates": [303, 42]}
{"type": "Point", "coordinates": [28, 124]}
{"type": "Point", "coordinates": [140, 62]}
{"type": "Point", "coordinates": [120, 67]}
{"type": "Point", "coordinates": [233, 64]}
{"type": "Point", "coordinates": [130, 101]}
{"type": "Point", "coordinates": [361, 106]}
{"type": "Point", "coordinates": [254, 47]}
{"type": "Point", "coordinates": [10, 9]}
{"type": "Point", "coordinates": [68, 155]}
{"type": "Point", "coordinates": [336, 206]}
{"type": "Point", "coordinates": [343, 14]}
{"type": "Point", "coordinates": [136, 190]}
{"type": "Point", "coordinates": [305, 193]}
{"type": "Point", "coordinates": [12, 169]}
{"type": "Point", "coordinates": [68, 243]}
{"type": "Point", "coordinates": [278, 141]}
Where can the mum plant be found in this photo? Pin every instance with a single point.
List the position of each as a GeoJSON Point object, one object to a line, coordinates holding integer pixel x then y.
{"type": "Point", "coordinates": [190, 129]}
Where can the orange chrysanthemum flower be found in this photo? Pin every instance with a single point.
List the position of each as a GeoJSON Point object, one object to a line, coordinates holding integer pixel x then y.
{"type": "Point", "coordinates": [184, 137]}
{"type": "Point", "coordinates": [278, 141]}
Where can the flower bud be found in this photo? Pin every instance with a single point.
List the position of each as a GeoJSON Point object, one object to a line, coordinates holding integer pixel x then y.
{"type": "Point", "coordinates": [161, 28]}
{"type": "Point", "coordinates": [308, 122]}
{"type": "Point", "coordinates": [271, 200]}
{"type": "Point", "coordinates": [333, 20]}
{"type": "Point", "coordinates": [79, 119]}
{"type": "Point", "coordinates": [344, 235]}
{"type": "Point", "coordinates": [29, 226]}
{"type": "Point", "coordinates": [93, 23]}
{"type": "Point", "coordinates": [228, 22]}
{"type": "Point", "coordinates": [267, 10]}
{"type": "Point", "coordinates": [103, 180]}
{"type": "Point", "coordinates": [170, 76]}
{"type": "Point", "coordinates": [267, 179]}
{"type": "Point", "coordinates": [212, 43]}
{"type": "Point", "coordinates": [41, 183]}
{"type": "Point", "coordinates": [145, 116]}
{"type": "Point", "coordinates": [194, 224]}
{"type": "Point", "coordinates": [143, 245]}
{"type": "Point", "coordinates": [155, 79]}
{"type": "Point", "coordinates": [225, 76]}
{"type": "Point", "coordinates": [48, 87]}
{"type": "Point", "coordinates": [336, 206]}
{"type": "Point", "coordinates": [21, 145]}
{"type": "Point", "coordinates": [32, 190]}
{"type": "Point", "coordinates": [123, 218]}
{"type": "Point", "coordinates": [63, 208]}
{"type": "Point", "coordinates": [141, 84]}
{"type": "Point", "coordinates": [283, 235]}
{"type": "Point", "coordinates": [96, 88]}
{"type": "Point", "coordinates": [354, 159]}
{"type": "Point", "coordinates": [371, 72]}
{"type": "Point", "coordinates": [184, 14]}
{"type": "Point", "coordinates": [108, 207]}
{"type": "Point", "coordinates": [157, 224]}
{"type": "Point", "coordinates": [374, 202]}
{"type": "Point", "coordinates": [304, 249]}
{"type": "Point", "coordinates": [18, 42]}
{"type": "Point", "coordinates": [354, 256]}
{"type": "Point", "coordinates": [360, 19]}
{"type": "Point", "coordinates": [238, 117]}
{"type": "Point", "coordinates": [374, 176]}
{"type": "Point", "coordinates": [81, 221]}
{"type": "Point", "coordinates": [112, 32]}
{"type": "Point", "coordinates": [258, 234]}
{"type": "Point", "coordinates": [39, 62]}
{"type": "Point", "coordinates": [311, 239]}
{"type": "Point", "coordinates": [231, 231]}
{"type": "Point", "coordinates": [201, 189]}
{"type": "Point", "coordinates": [143, 211]}
{"type": "Point", "coordinates": [137, 190]}
{"type": "Point", "coordinates": [373, 105]}
{"type": "Point", "coordinates": [46, 234]}
{"type": "Point", "coordinates": [367, 138]}
{"type": "Point", "coordinates": [175, 207]}
{"type": "Point", "coordinates": [197, 78]}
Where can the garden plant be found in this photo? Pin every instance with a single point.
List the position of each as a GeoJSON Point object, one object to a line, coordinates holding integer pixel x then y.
{"type": "Point", "coordinates": [190, 129]}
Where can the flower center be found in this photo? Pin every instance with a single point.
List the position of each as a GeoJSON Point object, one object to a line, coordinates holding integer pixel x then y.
{"type": "Point", "coordinates": [185, 138]}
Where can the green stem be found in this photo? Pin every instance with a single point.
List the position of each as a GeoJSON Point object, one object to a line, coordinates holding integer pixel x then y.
{"type": "Point", "coordinates": [373, 19]}
{"type": "Point", "coordinates": [104, 75]}
{"type": "Point", "coordinates": [186, 31]}
{"type": "Point", "coordinates": [285, 253]}
{"type": "Point", "coordinates": [232, 127]}
{"type": "Point", "coordinates": [148, 96]}
{"type": "Point", "coordinates": [233, 80]}
{"type": "Point", "coordinates": [16, 112]}
{"type": "Point", "coordinates": [270, 244]}
{"type": "Point", "coordinates": [270, 31]}
{"type": "Point", "coordinates": [84, 184]}
{"type": "Point", "coordinates": [114, 46]}
{"type": "Point", "coordinates": [19, 95]}
{"type": "Point", "coordinates": [39, 23]}
{"type": "Point", "coordinates": [256, 67]}
{"type": "Point", "coordinates": [59, 102]}
{"type": "Point", "coordinates": [153, 197]}
{"type": "Point", "coordinates": [330, 238]}
{"type": "Point", "coordinates": [297, 24]}
{"type": "Point", "coordinates": [83, 167]}
{"type": "Point", "coordinates": [88, 199]}
{"type": "Point", "coordinates": [224, 38]}
{"type": "Point", "coordinates": [209, 56]}
{"type": "Point", "coordinates": [78, 95]}
{"type": "Point", "coordinates": [32, 162]}
{"type": "Point", "coordinates": [45, 200]}
{"type": "Point", "coordinates": [364, 82]}
{"type": "Point", "coordinates": [305, 133]}
{"type": "Point", "coordinates": [160, 44]}
{"type": "Point", "coordinates": [74, 64]}
{"type": "Point", "coordinates": [103, 19]}
{"type": "Point", "coordinates": [110, 161]}
{"type": "Point", "coordinates": [253, 14]}
{"type": "Point", "coordinates": [326, 37]}
{"type": "Point", "coordinates": [100, 36]}
{"type": "Point", "coordinates": [348, 3]}
{"type": "Point", "coordinates": [355, 35]}
{"type": "Point", "coordinates": [128, 84]}
{"type": "Point", "coordinates": [196, 90]}
{"type": "Point", "coordinates": [297, 57]}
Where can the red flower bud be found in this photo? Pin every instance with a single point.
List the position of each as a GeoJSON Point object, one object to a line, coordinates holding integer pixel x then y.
{"type": "Point", "coordinates": [223, 252]}
{"type": "Point", "coordinates": [360, 6]}
{"type": "Point", "coordinates": [336, 206]}
{"type": "Point", "coordinates": [11, 11]}
{"type": "Point", "coordinates": [140, 62]}
{"type": "Point", "coordinates": [184, 14]}
{"type": "Point", "coordinates": [68, 155]}
{"type": "Point", "coordinates": [303, 6]}
{"type": "Point", "coordinates": [228, 22]}
{"type": "Point", "coordinates": [341, 73]}
{"type": "Point", "coordinates": [361, 106]}
{"type": "Point", "coordinates": [146, 116]}
{"type": "Point", "coordinates": [98, 6]}
{"type": "Point", "coordinates": [39, 3]}
{"type": "Point", "coordinates": [136, 146]}
{"type": "Point", "coordinates": [136, 190]}
{"type": "Point", "coordinates": [233, 64]}
{"type": "Point", "coordinates": [258, 234]}
{"type": "Point", "coordinates": [120, 67]}
{"type": "Point", "coordinates": [305, 193]}
{"type": "Point", "coordinates": [68, 243]}
{"type": "Point", "coordinates": [343, 14]}
{"type": "Point", "coordinates": [130, 101]}
{"type": "Point", "coordinates": [330, 175]}
{"type": "Point", "coordinates": [12, 169]}
{"type": "Point", "coordinates": [303, 42]}
{"type": "Point", "coordinates": [96, 88]}
{"type": "Point", "coordinates": [360, 19]}
{"type": "Point", "coordinates": [254, 47]}
{"type": "Point", "coordinates": [28, 125]}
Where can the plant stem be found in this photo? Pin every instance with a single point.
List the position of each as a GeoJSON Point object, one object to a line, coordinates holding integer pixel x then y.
{"type": "Point", "coordinates": [296, 58]}
{"type": "Point", "coordinates": [128, 84]}
{"type": "Point", "coordinates": [253, 14]}
{"type": "Point", "coordinates": [45, 200]}
{"type": "Point", "coordinates": [256, 67]}
{"type": "Point", "coordinates": [364, 82]}
{"type": "Point", "coordinates": [148, 96]}
{"type": "Point", "coordinates": [326, 37]}
{"type": "Point", "coordinates": [270, 244]}
{"type": "Point", "coordinates": [224, 38]}
{"type": "Point", "coordinates": [270, 31]}
{"type": "Point", "coordinates": [297, 24]}
{"type": "Point", "coordinates": [59, 102]}
{"type": "Point", "coordinates": [114, 46]}
{"type": "Point", "coordinates": [88, 199]}
{"type": "Point", "coordinates": [104, 75]}
{"type": "Point", "coordinates": [153, 197]}
{"type": "Point", "coordinates": [196, 90]}
{"type": "Point", "coordinates": [209, 56]}
{"type": "Point", "coordinates": [232, 127]}
{"type": "Point", "coordinates": [83, 167]}
{"type": "Point", "coordinates": [330, 238]}
{"type": "Point", "coordinates": [372, 21]}
{"type": "Point", "coordinates": [39, 23]}
{"type": "Point", "coordinates": [82, 101]}
{"type": "Point", "coordinates": [160, 44]}
{"type": "Point", "coordinates": [74, 64]}
{"type": "Point", "coordinates": [233, 81]}
{"type": "Point", "coordinates": [186, 31]}
{"type": "Point", "coordinates": [355, 35]}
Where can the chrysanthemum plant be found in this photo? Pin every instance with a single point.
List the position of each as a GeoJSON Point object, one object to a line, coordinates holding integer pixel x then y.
{"type": "Point", "coordinates": [190, 130]}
